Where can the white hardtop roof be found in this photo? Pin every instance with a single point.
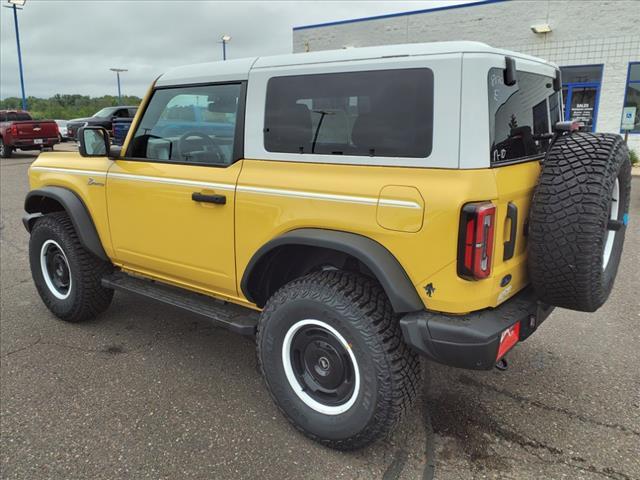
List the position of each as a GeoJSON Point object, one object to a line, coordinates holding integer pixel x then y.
{"type": "Point", "coordinates": [229, 70]}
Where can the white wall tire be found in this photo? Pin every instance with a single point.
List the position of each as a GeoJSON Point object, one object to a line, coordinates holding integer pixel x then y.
{"type": "Point", "coordinates": [299, 387]}
{"type": "Point", "coordinates": [54, 274]}
{"type": "Point", "coordinates": [66, 275]}
{"type": "Point", "coordinates": [378, 374]}
{"type": "Point", "coordinates": [613, 215]}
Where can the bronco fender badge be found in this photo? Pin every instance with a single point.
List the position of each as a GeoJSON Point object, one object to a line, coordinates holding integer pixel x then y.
{"type": "Point", "coordinates": [92, 181]}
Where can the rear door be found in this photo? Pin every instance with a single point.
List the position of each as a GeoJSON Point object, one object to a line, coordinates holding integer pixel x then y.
{"type": "Point", "coordinates": [505, 131]}
{"type": "Point", "coordinates": [171, 201]}
{"type": "Point", "coordinates": [521, 119]}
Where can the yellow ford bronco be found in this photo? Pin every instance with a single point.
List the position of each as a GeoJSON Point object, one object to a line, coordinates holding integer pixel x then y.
{"type": "Point", "coordinates": [352, 209]}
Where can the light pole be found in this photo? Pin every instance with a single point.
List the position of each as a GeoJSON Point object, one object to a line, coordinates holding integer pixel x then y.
{"type": "Point", "coordinates": [14, 5]}
{"type": "Point", "coordinates": [225, 39]}
{"type": "Point", "coordinates": [118, 70]}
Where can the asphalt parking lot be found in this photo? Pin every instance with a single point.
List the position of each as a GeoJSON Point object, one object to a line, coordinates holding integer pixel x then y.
{"type": "Point", "coordinates": [150, 392]}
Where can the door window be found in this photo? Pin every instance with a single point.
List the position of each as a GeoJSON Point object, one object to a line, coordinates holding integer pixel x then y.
{"type": "Point", "coordinates": [192, 125]}
{"type": "Point", "coordinates": [631, 110]}
{"type": "Point", "coordinates": [582, 105]}
{"type": "Point", "coordinates": [581, 92]}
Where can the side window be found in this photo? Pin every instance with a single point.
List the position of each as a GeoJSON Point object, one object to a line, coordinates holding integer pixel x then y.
{"type": "Point", "coordinates": [383, 113]}
{"type": "Point", "coordinates": [132, 112]}
{"type": "Point", "coordinates": [194, 124]}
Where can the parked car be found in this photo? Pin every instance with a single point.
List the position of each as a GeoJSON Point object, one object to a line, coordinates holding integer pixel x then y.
{"type": "Point", "coordinates": [352, 209]}
{"type": "Point", "coordinates": [62, 129]}
{"type": "Point", "coordinates": [19, 131]}
{"type": "Point", "coordinates": [120, 128]}
{"type": "Point", "coordinates": [103, 118]}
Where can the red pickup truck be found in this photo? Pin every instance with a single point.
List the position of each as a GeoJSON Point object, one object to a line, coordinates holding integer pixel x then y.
{"type": "Point", "coordinates": [19, 130]}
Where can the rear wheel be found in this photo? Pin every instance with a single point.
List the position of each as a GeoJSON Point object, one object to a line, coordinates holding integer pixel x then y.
{"type": "Point", "coordinates": [578, 220]}
{"type": "Point", "coordinates": [66, 275]}
{"type": "Point", "coordinates": [333, 358]}
{"type": "Point", "coordinates": [5, 150]}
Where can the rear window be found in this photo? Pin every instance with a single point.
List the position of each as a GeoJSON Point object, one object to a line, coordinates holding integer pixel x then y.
{"type": "Point", "coordinates": [14, 116]}
{"type": "Point", "coordinates": [384, 113]}
{"type": "Point", "coordinates": [521, 117]}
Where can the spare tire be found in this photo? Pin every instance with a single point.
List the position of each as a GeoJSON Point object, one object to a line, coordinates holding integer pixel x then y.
{"type": "Point", "coordinates": [578, 219]}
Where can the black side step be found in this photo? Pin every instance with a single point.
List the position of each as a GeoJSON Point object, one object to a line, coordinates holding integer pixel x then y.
{"type": "Point", "coordinates": [234, 317]}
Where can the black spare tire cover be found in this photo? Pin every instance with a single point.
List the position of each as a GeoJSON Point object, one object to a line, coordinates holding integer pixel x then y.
{"type": "Point", "coordinates": [578, 220]}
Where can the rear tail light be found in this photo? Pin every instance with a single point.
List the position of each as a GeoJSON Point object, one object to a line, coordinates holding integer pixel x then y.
{"type": "Point", "coordinates": [14, 130]}
{"type": "Point", "coordinates": [508, 339]}
{"type": "Point", "coordinates": [475, 247]}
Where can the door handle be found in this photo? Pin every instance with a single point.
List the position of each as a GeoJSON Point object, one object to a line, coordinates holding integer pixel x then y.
{"type": "Point", "coordinates": [510, 245]}
{"type": "Point", "coordinates": [201, 197]}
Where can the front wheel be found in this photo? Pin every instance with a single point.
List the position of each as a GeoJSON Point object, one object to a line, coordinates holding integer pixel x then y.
{"type": "Point", "coordinates": [66, 275]}
{"type": "Point", "coordinates": [333, 358]}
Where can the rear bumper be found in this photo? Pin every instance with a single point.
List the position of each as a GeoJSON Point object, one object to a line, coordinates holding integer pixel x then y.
{"type": "Point", "coordinates": [29, 144]}
{"type": "Point", "coordinates": [472, 340]}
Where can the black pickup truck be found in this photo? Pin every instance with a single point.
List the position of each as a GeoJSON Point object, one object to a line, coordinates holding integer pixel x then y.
{"type": "Point", "coordinates": [104, 118]}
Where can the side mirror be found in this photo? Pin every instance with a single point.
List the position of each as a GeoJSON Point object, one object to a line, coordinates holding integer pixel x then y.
{"type": "Point", "coordinates": [93, 141]}
{"type": "Point", "coordinates": [115, 151]}
{"type": "Point", "coordinates": [557, 81]}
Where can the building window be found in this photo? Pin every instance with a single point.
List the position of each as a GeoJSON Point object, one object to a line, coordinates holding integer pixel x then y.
{"type": "Point", "coordinates": [632, 98]}
{"type": "Point", "coordinates": [383, 113]}
{"type": "Point", "coordinates": [581, 92]}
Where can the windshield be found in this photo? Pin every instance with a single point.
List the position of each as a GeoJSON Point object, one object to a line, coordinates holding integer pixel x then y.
{"type": "Point", "coordinates": [61, 123]}
{"type": "Point", "coordinates": [521, 116]}
{"type": "Point", "coordinates": [105, 112]}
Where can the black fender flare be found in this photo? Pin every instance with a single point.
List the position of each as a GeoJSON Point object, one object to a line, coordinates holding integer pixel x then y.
{"type": "Point", "coordinates": [75, 208]}
{"type": "Point", "coordinates": [386, 268]}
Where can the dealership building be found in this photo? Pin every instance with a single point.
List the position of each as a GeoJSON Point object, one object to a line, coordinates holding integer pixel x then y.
{"type": "Point", "coordinates": [596, 44]}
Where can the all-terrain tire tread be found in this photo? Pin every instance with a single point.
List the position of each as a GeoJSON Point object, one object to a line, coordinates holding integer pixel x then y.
{"type": "Point", "coordinates": [91, 297]}
{"type": "Point", "coordinates": [568, 216]}
{"type": "Point", "coordinates": [364, 302]}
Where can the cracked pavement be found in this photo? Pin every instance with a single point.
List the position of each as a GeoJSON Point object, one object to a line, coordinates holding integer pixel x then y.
{"type": "Point", "coordinates": [146, 391]}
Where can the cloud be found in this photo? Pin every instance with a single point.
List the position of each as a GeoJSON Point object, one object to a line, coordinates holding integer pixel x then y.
{"type": "Point", "coordinates": [69, 46]}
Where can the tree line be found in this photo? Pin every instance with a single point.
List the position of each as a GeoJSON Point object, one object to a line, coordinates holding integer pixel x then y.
{"type": "Point", "coordinates": [66, 107]}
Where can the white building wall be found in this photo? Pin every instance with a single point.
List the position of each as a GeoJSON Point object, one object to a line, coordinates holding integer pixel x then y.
{"type": "Point", "coordinates": [583, 32]}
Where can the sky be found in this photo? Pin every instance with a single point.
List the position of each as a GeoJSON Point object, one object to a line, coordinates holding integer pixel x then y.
{"type": "Point", "coordinates": [69, 46]}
